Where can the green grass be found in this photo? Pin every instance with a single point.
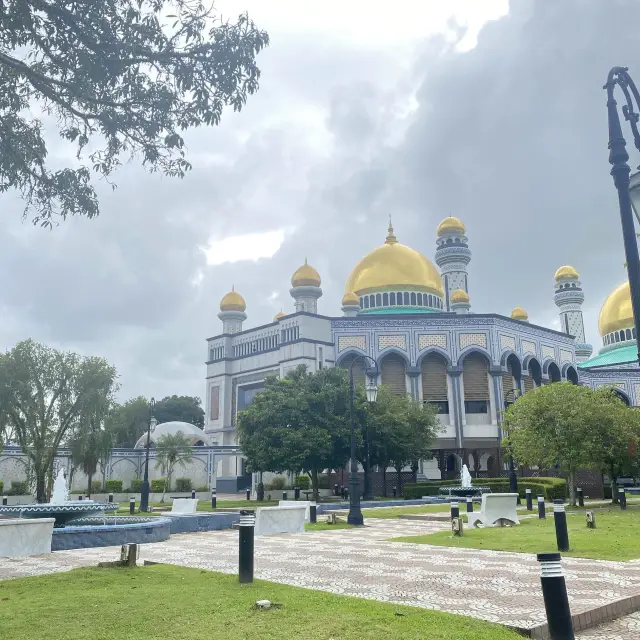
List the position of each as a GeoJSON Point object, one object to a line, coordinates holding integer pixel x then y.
{"type": "Point", "coordinates": [203, 505]}
{"type": "Point", "coordinates": [617, 536]}
{"type": "Point", "coordinates": [394, 512]}
{"type": "Point", "coordinates": [161, 601]}
{"type": "Point", "coordinates": [323, 526]}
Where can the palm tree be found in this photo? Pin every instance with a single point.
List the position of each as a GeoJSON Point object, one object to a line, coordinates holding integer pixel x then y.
{"type": "Point", "coordinates": [171, 450]}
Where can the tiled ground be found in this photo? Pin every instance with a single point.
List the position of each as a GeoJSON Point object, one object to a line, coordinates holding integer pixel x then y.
{"type": "Point", "coordinates": [494, 586]}
{"type": "Point", "coordinates": [626, 628]}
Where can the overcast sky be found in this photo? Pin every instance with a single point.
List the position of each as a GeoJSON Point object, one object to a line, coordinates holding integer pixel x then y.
{"type": "Point", "coordinates": [422, 109]}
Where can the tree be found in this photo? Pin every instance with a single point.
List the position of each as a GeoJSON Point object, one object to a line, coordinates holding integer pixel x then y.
{"type": "Point", "coordinates": [44, 395]}
{"type": "Point", "coordinates": [566, 425]}
{"type": "Point", "coordinates": [171, 450]}
{"type": "Point", "coordinates": [128, 421]}
{"type": "Point", "coordinates": [180, 408]}
{"type": "Point", "coordinates": [122, 78]}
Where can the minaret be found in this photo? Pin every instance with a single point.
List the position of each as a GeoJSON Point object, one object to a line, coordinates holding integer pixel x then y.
{"type": "Point", "coordinates": [305, 288]}
{"type": "Point", "coordinates": [460, 301]}
{"type": "Point", "coordinates": [452, 256]}
{"type": "Point", "coordinates": [351, 304]}
{"type": "Point", "coordinates": [518, 313]}
{"type": "Point", "coordinates": [232, 312]}
{"type": "Point", "coordinates": [569, 298]}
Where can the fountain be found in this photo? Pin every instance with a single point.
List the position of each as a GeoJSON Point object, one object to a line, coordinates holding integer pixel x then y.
{"type": "Point", "coordinates": [466, 487]}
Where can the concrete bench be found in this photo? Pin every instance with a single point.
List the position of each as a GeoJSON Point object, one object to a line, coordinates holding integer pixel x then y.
{"type": "Point", "coordinates": [25, 536]}
{"type": "Point", "coordinates": [184, 505]}
{"type": "Point", "coordinates": [497, 508]}
{"type": "Point", "coordinates": [298, 503]}
{"type": "Point", "coordinates": [289, 519]}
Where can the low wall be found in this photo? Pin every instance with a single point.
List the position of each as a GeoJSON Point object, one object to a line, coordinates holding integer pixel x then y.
{"type": "Point", "coordinates": [25, 537]}
{"type": "Point", "coordinates": [202, 521]}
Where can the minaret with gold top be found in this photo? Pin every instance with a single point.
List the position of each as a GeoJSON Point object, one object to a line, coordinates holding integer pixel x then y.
{"type": "Point", "coordinates": [569, 298]}
{"type": "Point", "coordinates": [305, 288]}
{"type": "Point", "coordinates": [453, 257]}
{"type": "Point", "coordinates": [232, 312]}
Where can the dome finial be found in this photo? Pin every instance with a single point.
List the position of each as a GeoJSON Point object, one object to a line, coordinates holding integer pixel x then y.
{"type": "Point", "coordinates": [391, 239]}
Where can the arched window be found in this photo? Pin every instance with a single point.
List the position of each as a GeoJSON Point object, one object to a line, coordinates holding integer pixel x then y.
{"type": "Point", "coordinates": [475, 378]}
{"type": "Point", "coordinates": [378, 300]}
{"type": "Point", "coordinates": [628, 334]}
{"type": "Point", "coordinates": [372, 300]}
{"type": "Point", "coordinates": [366, 301]}
{"type": "Point", "coordinates": [399, 298]}
{"type": "Point", "coordinates": [358, 368]}
{"type": "Point", "coordinates": [420, 300]}
{"type": "Point", "coordinates": [554, 373]}
{"type": "Point", "coordinates": [407, 300]}
{"type": "Point", "coordinates": [616, 337]}
{"type": "Point", "coordinates": [393, 373]}
{"type": "Point", "coordinates": [434, 382]}
{"type": "Point", "coordinates": [385, 299]}
{"type": "Point", "coordinates": [393, 299]}
{"type": "Point", "coordinates": [413, 299]}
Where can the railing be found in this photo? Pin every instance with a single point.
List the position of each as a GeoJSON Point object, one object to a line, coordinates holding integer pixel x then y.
{"type": "Point", "coordinates": [250, 345]}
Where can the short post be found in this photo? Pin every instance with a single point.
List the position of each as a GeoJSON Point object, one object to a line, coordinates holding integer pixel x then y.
{"type": "Point", "coordinates": [336, 490]}
{"type": "Point", "coordinates": [457, 527]}
{"type": "Point", "coordinates": [469, 504]}
{"type": "Point", "coordinates": [580, 497]}
{"type": "Point", "coordinates": [455, 510]}
{"type": "Point", "coordinates": [193, 494]}
{"type": "Point", "coordinates": [313, 513]}
{"type": "Point", "coordinates": [591, 519]}
{"type": "Point", "coordinates": [248, 494]}
{"type": "Point", "coordinates": [622, 499]}
{"type": "Point", "coordinates": [560, 520]}
{"type": "Point", "coordinates": [296, 493]}
{"type": "Point", "coordinates": [111, 497]}
{"type": "Point", "coordinates": [214, 499]}
{"type": "Point", "coordinates": [80, 497]}
{"type": "Point", "coordinates": [132, 505]}
{"type": "Point", "coordinates": [556, 601]}
{"type": "Point", "coordinates": [395, 492]}
{"type": "Point", "coordinates": [542, 515]}
{"type": "Point", "coordinates": [245, 550]}
{"type": "Point", "coordinates": [529, 497]}
{"type": "Point", "coordinates": [4, 501]}
{"type": "Point", "coordinates": [284, 495]}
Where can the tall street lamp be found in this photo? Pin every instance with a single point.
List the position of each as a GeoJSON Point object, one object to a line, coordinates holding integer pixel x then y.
{"type": "Point", "coordinates": [509, 399]}
{"type": "Point", "coordinates": [371, 388]}
{"type": "Point", "coordinates": [144, 495]}
{"type": "Point", "coordinates": [628, 186]}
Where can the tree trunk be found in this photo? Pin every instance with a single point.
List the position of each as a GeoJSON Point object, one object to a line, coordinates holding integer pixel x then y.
{"type": "Point", "coordinates": [90, 476]}
{"type": "Point", "coordinates": [572, 485]}
{"type": "Point", "coordinates": [41, 481]}
{"type": "Point", "coordinates": [414, 471]}
{"type": "Point", "coordinates": [384, 480]}
{"type": "Point", "coordinates": [399, 474]}
{"type": "Point", "coordinates": [314, 482]}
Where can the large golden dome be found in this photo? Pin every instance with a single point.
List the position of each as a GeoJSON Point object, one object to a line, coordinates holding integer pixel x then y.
{"type": "Point", "coordinates": [394, 265]}
{"type": "Point", "coordinates": [616, 312]}
{"type": "Point", "coordinates": [306, 275]}
{"type": "Point", "coordinates": [233, 301]}
{"type": "Point", "coordinates": [450, 225]}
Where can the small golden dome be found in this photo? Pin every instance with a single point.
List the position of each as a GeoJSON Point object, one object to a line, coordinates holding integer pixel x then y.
{"type": "Point", "coordinates": [305, 276]}
{"type": "Point", "coordinates": [351, 298]}
{"type": "Point", "coordinates": [393, 265]}
{"type": "Point", "coordinates": [278, 316]}
{"type": "Point", "coordinates": [233, 301]}
{"type": "Point", "coordinates": [616, 312]}
{"type": "Point", "coordinates": [459, 295]}
{"type": "Point", "coordinates": [450, 225]}
{"type": "Point", "coordinates": [566, 272]}
{"type": "Point", "coordinates": [519, 313]}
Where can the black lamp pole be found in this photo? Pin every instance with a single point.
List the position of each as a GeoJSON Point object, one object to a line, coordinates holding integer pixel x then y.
{"type": "Point", "coordinates": [513, 478]}
{"type": "Point", "coordinates": [355, 513]}
{"type": "Point", "coordinates": [620, 171]}
{"type": "Point", "coordinates": [144, 494]}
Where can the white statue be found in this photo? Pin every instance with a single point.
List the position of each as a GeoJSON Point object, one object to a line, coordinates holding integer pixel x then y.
{"type": "Point", "coordinates": [60, 493]}
{"type": "Point", "coordinates": [465, 477]}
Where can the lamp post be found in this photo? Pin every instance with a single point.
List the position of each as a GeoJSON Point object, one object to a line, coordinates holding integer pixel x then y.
{"type": "Point", "coordinates": [513, 478]}
{"type": "Point", "coordinates": [144, 494]}
{"type": "Point", "coordinates": [628, 186]}
{"type": "Point", "coordinates": [371, 388]}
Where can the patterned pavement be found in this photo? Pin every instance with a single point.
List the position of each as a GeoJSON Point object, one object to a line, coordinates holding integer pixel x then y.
{"type": "Point", "coordinates": [491, 585]}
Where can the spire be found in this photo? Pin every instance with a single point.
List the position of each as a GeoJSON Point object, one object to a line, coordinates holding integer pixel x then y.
{"type": "Point", "coordinates": [391, 239]}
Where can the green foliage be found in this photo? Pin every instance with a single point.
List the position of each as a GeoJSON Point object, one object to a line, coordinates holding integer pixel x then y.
{"type": "Point", "coordinates": [181, 409]}
{"type": "Point", "coordinates": [113, 486]}
{"type": "Point", "coordinates": [159, 485]}
{"type": "Point", "coordinates": [203, 489]}
{"type": "Point", "coordinates": [302, 482]}
{"type": "Point", "coordinates": [45, 395]}
{"type": "Point", "coordinates": [172, 450]}
{"type": "Point", "coordinates": [277, 484]}
{"type": "Point", "coordinates": [551, 488]}
{"type": "Point", "coordinates": [96, 486]}
{"type": "Point", "coordinates": [323, 481]}
{"type": "Point", "coordinates": [136, 485]}
{"type": "Point", "coordinates": [19, 488]}
{"type": "Point", "coordinates": [122, 79]}
{"type": "Point", "coordinates": [184, 484]}
{"type": "Point", "coordinates": [128, 421]}
{"type": "Point", "coordinates": [1, 487]}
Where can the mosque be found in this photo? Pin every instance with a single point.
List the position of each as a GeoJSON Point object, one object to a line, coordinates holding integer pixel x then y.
{"type": "Point", "coordinates": [414, 318]}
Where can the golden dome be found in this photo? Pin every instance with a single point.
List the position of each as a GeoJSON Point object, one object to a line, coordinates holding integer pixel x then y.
{"type": "Point", "coordinates": [233, 301]}
{"type": "Point", "coordinates": [616, 312]}
{"type": "Point", "coordinates": [305, 276]}
{"type": "Point", "coordinates": [351, 298]}
{"type": "Point", "coordinates": [566, 272]}
{"type": "Point", "coordinates": [393, 265]}
{"type": "Point", "coordinates": [519, 313]}
{"type": "Point", "coordinates": [450, 225]}
{"type": "Point", "coordinates": [459, 295]}
{"type": "Point", "coordinates": [278, 316]}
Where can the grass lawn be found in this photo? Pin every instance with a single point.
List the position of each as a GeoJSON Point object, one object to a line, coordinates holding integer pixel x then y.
{"type": "Point", "coordinates": [162, 601]}
{"type": "Point", "coordinates": [203, 505]}
{"type": "Point", "coordinates": [394, 512]}
{"type": "Point", "coordinates": [617, 536]}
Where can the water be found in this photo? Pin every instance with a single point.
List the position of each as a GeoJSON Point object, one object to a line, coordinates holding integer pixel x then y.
{"type": "Point", "coordinates": [465, 477]}
{"type": "Point", "coordinates": [60, 493]}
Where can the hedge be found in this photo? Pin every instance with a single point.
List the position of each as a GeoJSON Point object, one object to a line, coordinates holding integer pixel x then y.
{"type": "Point", "coordinates": [113, 486]}
{"type": "Point", "coordinates": [184, 484]}
{"type": "Point", "coordinates": [1, 486]}
{"type": "Point", "coordinates": [136, 485]}
{"type": "Point", "coordinates": [302, 481]}
{"type": "Point", "coordinates": [19, 488]}
{"type": "Point", "coordinates": [550, 488]}
{"type": "Point", "coordinates": [159, 485]}
{"type": "Point", "coordinates": [96, 486]}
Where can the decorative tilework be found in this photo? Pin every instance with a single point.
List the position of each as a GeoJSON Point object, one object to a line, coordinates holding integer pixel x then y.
{"type": "Point", "coordinates": [392, 341]}
{"type": "Point", "coordinates": [565, 356]}
{"type": "Point", "coordinates": [426, 340]}
{"type": "Point", "coordinates": [548, 352]}
{"type": "Point", "coordinates": [347, 342]}
{"type": "Point", "coordinates": [528, 347]}
{"type": "Point", "coordinates": [469, 339]}
{"type": "Point", "coordinates": [507, 342]}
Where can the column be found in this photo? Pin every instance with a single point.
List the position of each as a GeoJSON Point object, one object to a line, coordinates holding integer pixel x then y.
{"type": "Point", "coordinates": [458, 407]}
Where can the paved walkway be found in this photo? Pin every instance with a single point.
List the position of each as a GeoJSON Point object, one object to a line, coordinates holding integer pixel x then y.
{"type": "Point", "coordinates": [494, 586]}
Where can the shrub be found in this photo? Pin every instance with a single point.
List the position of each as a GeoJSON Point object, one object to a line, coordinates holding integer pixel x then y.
{"type": "Point", "coordinates": [113, 486]}
{"type": "Point", "coordinates": [278, 484]}
{"type": "Point", "coordinates": [203, 489]}
{"type": "Point", "coordinates": [302, 481]}
{"type": "Point", "coordinates": [159, 485]}
{"type": "Point", "coordinates": [136, 485]}
{"type": "Point", "coordinates": [19, 488]}
{"type": "Point", "coordinates": [323, 481]}
{"type": "Point", "coordinates": [183, 484]}
{"type": "Point", "coordinates": [1, 486]}
{"type": "Point", "coordinates": [96, 486]}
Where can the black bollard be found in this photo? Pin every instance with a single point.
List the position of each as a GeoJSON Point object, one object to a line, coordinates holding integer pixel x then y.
{"type": "Point", "coordinates": [469, 504]}
{"type": "Point", "coordinates": [4, 501]}
{"type": "Point", "coordinates": [193, 494]}
{"type": "Point", "coordinates": [455, 510]}
{"type": "Point", "coordinates": [284, 495]}
{"type": "Point", "coordinates": [395, 492]}
{"type": "Point", "coordinates": [80, 497]}
{"type": "Point", "coordinates": [296, 493]}
{"type": "Point", "coordinates": [214, 499]}
{"type": "Point", "coordinates": [622, 499]}
{"type": "Point", "coordinates": [313, 517]}
{"type": "Point", "coordinates": [556, 601]}
{"type": "Point", "coordinates": [580, 497]}
{"type": "Point", "coordinates": [111, 497]}
{"type": "Point", "coordinates": [248, 494]}
{"type": "Point", "coordinates": [529, 497]}
{"type": "Point", "coordinates": [245, 549]}
{"type": "Point", "coordinates": [560, 520]}
{"type": "Point", "coordinates": [542, 515]}
{"type": "Point", "coordinates": [132, 505]}
{"type": "Point", "coordinates": [336, 490]}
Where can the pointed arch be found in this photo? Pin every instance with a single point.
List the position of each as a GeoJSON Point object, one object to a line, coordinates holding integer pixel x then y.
{"type": "Point", "coordinates": [435, 391]}
{"type": "Point", "coordinates": [393, 372]}
{"type": "Point", "coordinates": [345, 361]}
{"type": "Point", "coordinates": [475, 380]}
{"type": "Point", "coordinates": [434, 350]}
{"type": "Point", "coordinates": [479, 350]}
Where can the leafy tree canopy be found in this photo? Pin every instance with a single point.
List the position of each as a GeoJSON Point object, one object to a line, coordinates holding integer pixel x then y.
{"type": "Point", "coordinates": [180, 408]}
{"type": "Point", "coordinates": [120, 79]}
{"type": "Point", "coordinates": [128, 421]}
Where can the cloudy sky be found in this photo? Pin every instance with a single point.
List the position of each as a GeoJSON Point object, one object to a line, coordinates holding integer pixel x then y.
{"type": "Point", "coordinates": [491, 112]}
